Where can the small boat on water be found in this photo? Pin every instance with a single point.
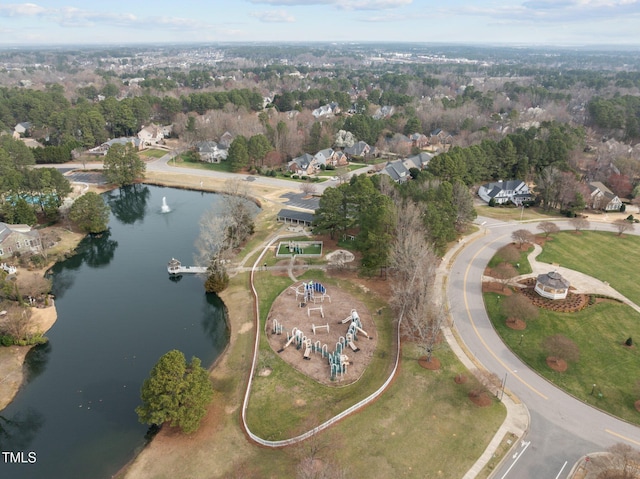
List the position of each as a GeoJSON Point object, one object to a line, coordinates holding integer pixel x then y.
{"type": "Point", "coordinates": [175, 267]}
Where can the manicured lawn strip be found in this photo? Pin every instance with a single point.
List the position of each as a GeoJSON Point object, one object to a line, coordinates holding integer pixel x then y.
{"type": "Point", "coordinates": [600, 254]}
{"type": "Point", "coordinates": [513, 213]}
{"type": "Point", "coordinates": [282, 403]}
{"type": "Point", "coordinates": [154, 153]}
{"type": "Point", "coordinates": [599, 331]}
{"type": "Point", "coordinates": [306, 248]}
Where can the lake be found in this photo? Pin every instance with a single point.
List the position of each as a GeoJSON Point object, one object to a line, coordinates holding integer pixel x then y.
{"type": "Point", "coordinates": [118, 312]}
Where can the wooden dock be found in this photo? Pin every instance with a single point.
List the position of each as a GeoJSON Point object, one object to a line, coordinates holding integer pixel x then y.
{"type": "Point", "coordinates": [175, 267]}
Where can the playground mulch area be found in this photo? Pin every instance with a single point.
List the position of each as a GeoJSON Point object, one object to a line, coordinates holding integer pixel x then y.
{"type": "Point", "coordinates": [289, 313]}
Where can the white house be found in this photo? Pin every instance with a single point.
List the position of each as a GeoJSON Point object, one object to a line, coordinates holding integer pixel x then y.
{"type": "Point", "coordinates": [212, 152]}
{"type": "Point", "coordinates": [514, 191]}
{"type": "Point", "coordinates": [602, 198]}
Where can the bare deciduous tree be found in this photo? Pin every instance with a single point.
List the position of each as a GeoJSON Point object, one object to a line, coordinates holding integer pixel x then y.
{"type": "Point", "coordinates": [308, 188]}
{"type": "Point", "coordinates": [413, 264]}
{"type": "Point", "coordinates": [518, 306]}
{"type": "Point", "coordinates": [522, 237]}
{"type": "Point", "coordinates": [621, 462]}
{"type": "Point", "coordinates": [622, 226]}
{"type": "Point", "coordinates": [579, 223]}
{"type": "Point", "coordinates": [559, 347]}
{"type": "Point", "coordinates": [548, 227]}
{"type": "Point", "coordinates": [504, 272]}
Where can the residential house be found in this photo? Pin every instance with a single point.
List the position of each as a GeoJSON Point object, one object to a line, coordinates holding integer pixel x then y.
{"type": "Point", "coordinates": [18, 239]}
{"type": "Point", "coordinates": [104, 148]}
{"type": "Point", "coordinates": [326, 110]}
{"type": "Point", "coordinates": [360, 149]}
{"type": "Point", "coordinates": [418, 140]}
{"type": "Point", "coordinates": [439, 137]}
{"type": "Point", "coordinates": [514, 191]}
{"type": "Point", "coordinates": [151, 135]}
{"type": "Point", "coordinates": [397, 171]}
{"type": "Point", "coordinates": [21, 129]}
{"type": "Point", "coordinates": [211, 152]}
{"type": "Point", "coordinates": [602, 198]}
{"type": "Point", "coordinates": [383, 112]}
{"type": "Point", "coordinates": [302, 165]}
{"type": "Point", "coordinates": [332, 157]}
{"type": "Point", "coordinates": [419, 161]}
{"type": "Point", "coordinates": [225, 140]}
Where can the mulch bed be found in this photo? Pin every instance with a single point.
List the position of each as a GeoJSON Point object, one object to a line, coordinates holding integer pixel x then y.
{"type": "Point", "coordinates": [516, 324]}
{"type": "Point", "coordinates": [432, 365]}
{"type": "Point", "coordinates": [572, 303]}
{"type": "Point", "coordinates": [559, 365]}
{"type": "Point", "coordinates": [480, 399]}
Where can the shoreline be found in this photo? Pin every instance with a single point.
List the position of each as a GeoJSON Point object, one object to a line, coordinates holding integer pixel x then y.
{"type": "Point", "coordinates": [13, 358]}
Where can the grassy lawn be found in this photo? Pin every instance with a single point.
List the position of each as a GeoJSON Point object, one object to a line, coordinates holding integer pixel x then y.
{"type": "Point", "coordinates": [513, 213]}
{"type": "Point", "coordinates": [599, 332]}
{"type": "Point", "coordinates": [282, 403]}
{"type": "Point", "coordinates": [182, 161]}
{"type": "Point", "coordinates": [600, 254]}
{"type": "Point", "coordinates": [153, 153]}
{"type": "Point", "coordinates": [521, 264]}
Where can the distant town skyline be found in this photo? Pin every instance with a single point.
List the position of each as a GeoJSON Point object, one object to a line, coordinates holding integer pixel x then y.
{"type": "Point", "coordinates": [504, 22]}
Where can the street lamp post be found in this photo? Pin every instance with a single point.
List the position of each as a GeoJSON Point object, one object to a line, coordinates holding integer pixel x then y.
{"type": "Point", "coordinates": [593, 388]}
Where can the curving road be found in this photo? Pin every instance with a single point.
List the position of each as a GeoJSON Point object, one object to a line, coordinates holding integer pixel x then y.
{"type": "Point", "coordinates": [562, 429]}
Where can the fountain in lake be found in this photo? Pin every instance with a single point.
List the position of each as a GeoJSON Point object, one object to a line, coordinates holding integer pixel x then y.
{"type": "Point", "coordinates": [165, 206]}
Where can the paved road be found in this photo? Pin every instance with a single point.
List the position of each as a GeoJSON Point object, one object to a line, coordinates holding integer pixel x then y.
{"type": "Point", "coordinates": [562, 428]}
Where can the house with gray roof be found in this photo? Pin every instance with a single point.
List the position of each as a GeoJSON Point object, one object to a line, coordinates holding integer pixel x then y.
{"type": "Point", "coordinates": [18, 239]}
{"type": "Point", "coordinates": [211, 152]}
{"type": "Point", "coordinates": [602, 198]}
{"type": "Point", "coordinates": [418, 161]}
{"type": "Point", "coordinates": [514, 191]}
{"type": "Point", "coordinates": [397, 171]}
{"type": "Point", "coordinates": [302, 165]}
{"type": "Point", "coordinates": [360, 149]}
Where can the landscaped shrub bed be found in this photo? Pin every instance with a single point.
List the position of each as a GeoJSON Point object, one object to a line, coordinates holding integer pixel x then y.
{"type": "Point", "coordinates": [572, 303]}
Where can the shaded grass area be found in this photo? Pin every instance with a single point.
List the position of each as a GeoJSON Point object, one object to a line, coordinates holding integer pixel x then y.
{"type": "Point", "coordinates": [185, 162]}
{"type": "Point", "coordinates": [599, 332]}
{"type": "Point", "coordinates": [600, 254]}
{"type": "Point", "coordinates": [521, 264]}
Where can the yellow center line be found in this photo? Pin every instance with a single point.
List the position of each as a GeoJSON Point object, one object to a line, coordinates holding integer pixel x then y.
{"type": "Point", "coordinates": [622, 437]}
{"type": "Point", "coordinates": [473, 324]}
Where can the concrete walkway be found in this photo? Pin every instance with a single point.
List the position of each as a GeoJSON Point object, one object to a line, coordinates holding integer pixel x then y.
{"type": "Point", "coordinates": [580, 282]}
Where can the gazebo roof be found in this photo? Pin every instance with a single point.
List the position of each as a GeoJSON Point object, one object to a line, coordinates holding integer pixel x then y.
{"type": "Point", "coordinates": [553, 280]}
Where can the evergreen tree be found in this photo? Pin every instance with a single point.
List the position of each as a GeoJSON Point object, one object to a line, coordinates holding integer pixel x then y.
{"type": "Point", "coordinates": [122, 165]}
{"type": "Point", "coordinates": [176, 393]}
{"type": "Point", "coordinates": [90, 213]}
{"type": "Point", "coordinates": [238, 157]}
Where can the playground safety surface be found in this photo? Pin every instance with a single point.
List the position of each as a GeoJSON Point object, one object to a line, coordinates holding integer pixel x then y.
{"type": "Point", "coordinates": [288, 311]}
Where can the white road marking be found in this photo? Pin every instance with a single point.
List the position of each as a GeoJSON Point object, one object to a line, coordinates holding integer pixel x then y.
{"type": "Point", "coordinates": [525, 445]}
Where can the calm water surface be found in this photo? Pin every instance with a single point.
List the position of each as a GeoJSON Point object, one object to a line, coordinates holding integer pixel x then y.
{"type": "Point", "coordinates": [118, 312]}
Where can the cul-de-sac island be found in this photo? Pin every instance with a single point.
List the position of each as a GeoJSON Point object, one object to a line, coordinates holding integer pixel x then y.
{"type": "Point", "coordinates": [319, 261]}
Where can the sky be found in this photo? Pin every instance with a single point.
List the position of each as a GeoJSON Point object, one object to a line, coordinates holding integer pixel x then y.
{"type": "Point", "coordinates": [504, 22]}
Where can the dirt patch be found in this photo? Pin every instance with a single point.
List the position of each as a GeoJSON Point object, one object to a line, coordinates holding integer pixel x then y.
{"type": "Point", "coordinates": [460, 379]}
{"type": "Point", "coordinates": [558, 365]}
{"type": "Point", "coordinates": [480, 399]}
{"type": "Point", "coordinates": [515, 323]}
{"type": "Point", "coordinates": [291, 312]}
{"type": "Point", "coordinates": [432, 365]}
{"type": "Point", "coordinates": [495, 287]}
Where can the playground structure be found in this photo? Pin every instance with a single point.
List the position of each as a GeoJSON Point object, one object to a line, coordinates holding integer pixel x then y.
{"type": "Point", "coordinates": [338, 362]}
{"type": "Point", "coordinates": [311, 291]}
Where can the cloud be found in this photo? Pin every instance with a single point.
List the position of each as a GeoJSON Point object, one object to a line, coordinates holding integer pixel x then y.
{"type": "Point", "coordinates": [342, 4]}
{"type": "Point", "coordinates": [72, 17]}
{"type": "Point", "coordinates": [274, 16]}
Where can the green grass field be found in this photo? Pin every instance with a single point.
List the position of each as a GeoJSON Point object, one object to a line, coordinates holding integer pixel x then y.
{"type": "Point", "coordinates": [600, 254]}
{"type": "Point", "coordinates": [306, 249]}
{"type": "Point", "coordinates": [599, 330]}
